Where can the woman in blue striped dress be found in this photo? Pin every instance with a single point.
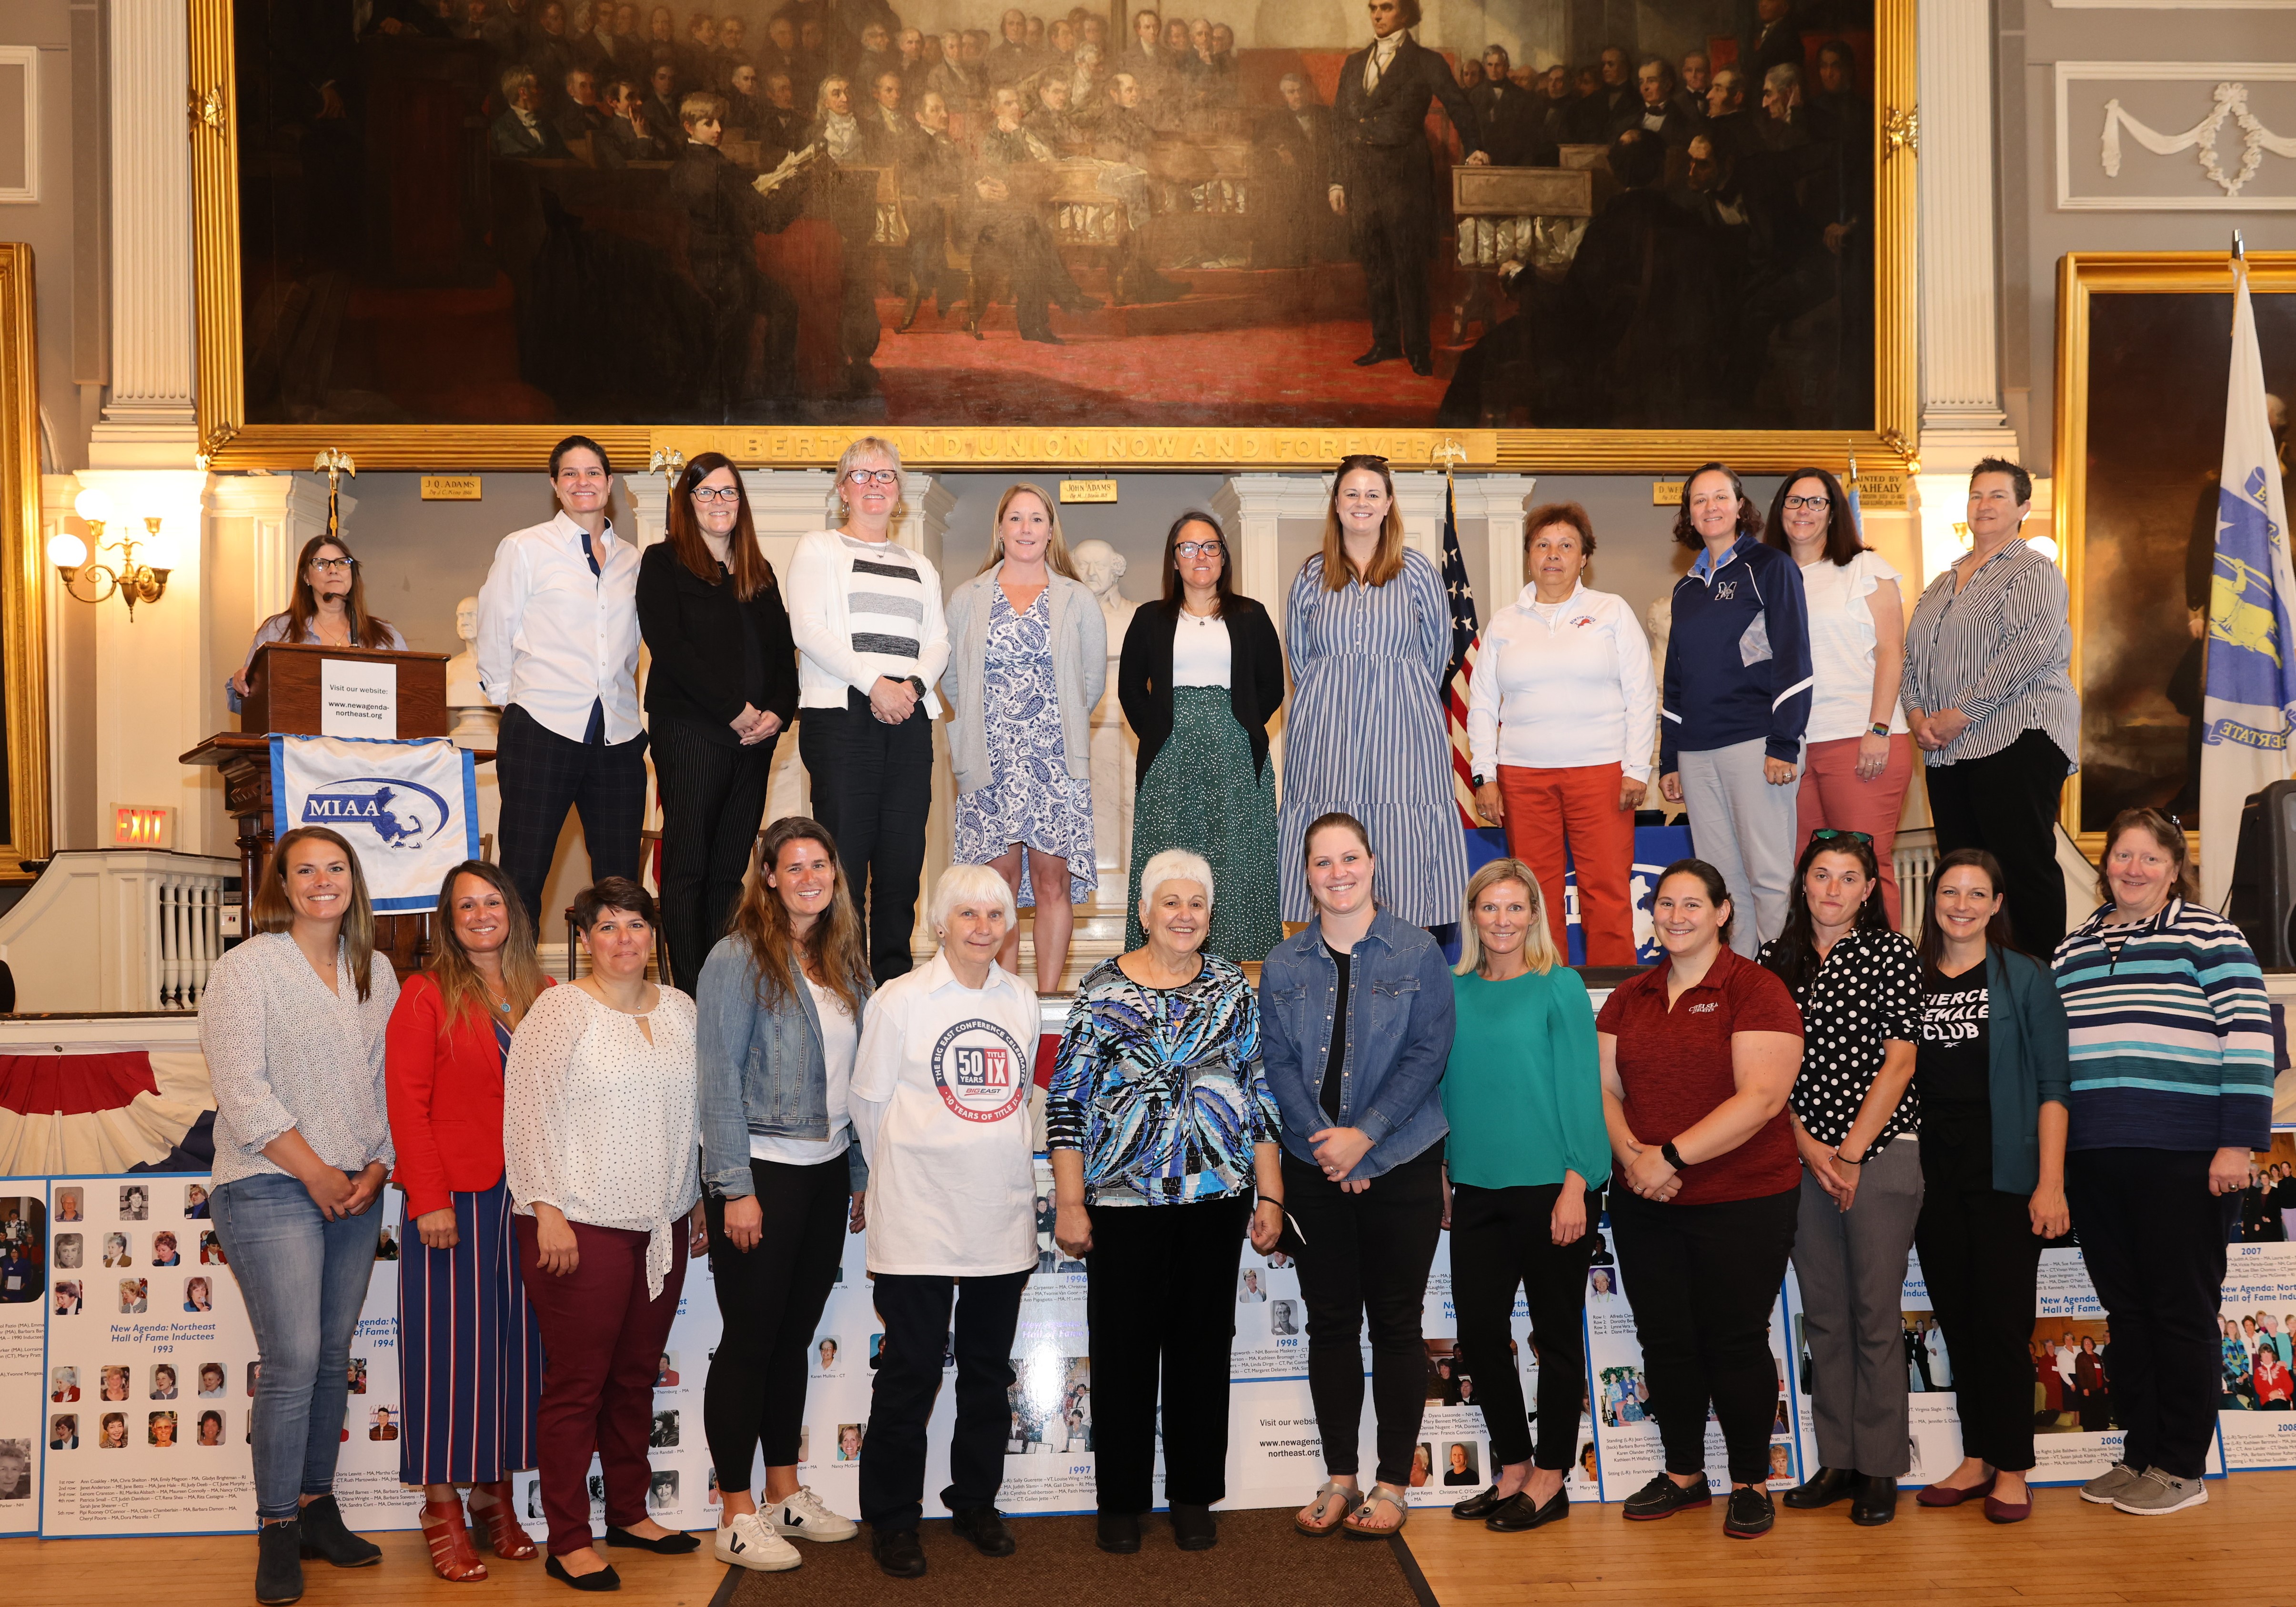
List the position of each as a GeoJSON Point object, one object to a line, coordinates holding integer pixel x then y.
{"type": "Point", "coordinates": [470, 1351]}
{"type": "Point", "coordinates": [1369, 632]}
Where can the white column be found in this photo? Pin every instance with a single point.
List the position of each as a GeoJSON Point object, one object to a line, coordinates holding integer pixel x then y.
{"type": "Point", "coordinates": [281, 512]}
{"type": "Point", "coordinates": [148, 421]}
{"type": "Point", "coordinates": [1421, 498]}
{"type": "Point", "coordinates": [649, 495]}
{"type": "Point", "coordinates": [1252, 507]}
{"type": "Point", "coordinates": [1501, 500]}
{"type": "Point", "coordinates": [1962, 417]}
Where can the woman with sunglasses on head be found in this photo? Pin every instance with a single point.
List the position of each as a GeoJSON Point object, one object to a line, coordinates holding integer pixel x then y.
{"type": "Point", "coordinates": [1028, 662]}
{"type": "Point", "coordinates": [722, 690]}
{"type": "Point", "coordinates": [1369, 630]}
{"type": "Point", "coordinates": [328, 609]}
{"type": "Point", "coordinates": [872, 640]}
{"type": "Point", "coordinates": [1201, 677]}
{"type": "Point", "coordinates": [1861, 757]}
{"type": "Point", "coordinates": [1859, 986]}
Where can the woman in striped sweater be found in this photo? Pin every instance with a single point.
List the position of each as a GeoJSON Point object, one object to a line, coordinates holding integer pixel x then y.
{"type": "Point", "coordinates": [2172, 1065]}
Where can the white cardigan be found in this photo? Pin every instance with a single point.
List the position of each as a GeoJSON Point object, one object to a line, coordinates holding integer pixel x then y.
{"type": "Point", "coordinates": [821, 623]}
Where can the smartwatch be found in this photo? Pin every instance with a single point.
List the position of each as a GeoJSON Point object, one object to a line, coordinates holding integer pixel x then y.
{"type": "Point", "coordinates": [917, 682]}
{"type": "Point", "coordinates": [1478, 779]}
{"type": "Point", "coordinates": [1673, 1156]}
{"type": "Point", "coordinates": [1877, 729]}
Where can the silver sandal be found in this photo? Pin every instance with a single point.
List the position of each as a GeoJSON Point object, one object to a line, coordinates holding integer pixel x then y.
{"type": "Point", "coordinates": [1324, 1492]}
{"type": "Point", "coordinates": [1378, 1493]}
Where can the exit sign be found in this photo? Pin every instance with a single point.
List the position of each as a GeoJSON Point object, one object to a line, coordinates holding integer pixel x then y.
{"type": "Point", "coordinates": [142, 826]}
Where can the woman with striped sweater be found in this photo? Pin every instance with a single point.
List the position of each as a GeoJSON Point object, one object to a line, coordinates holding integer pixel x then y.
{"type": "Point", "coordinates": [2172, 1066]}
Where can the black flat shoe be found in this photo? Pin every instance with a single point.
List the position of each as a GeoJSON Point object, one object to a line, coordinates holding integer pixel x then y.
{"type": "Point", "coordinates": [1377, 353]}
{"type": "Point", "coordinates": [1663, 1497]}
{"type": "Point", "coordinates": [1751, 1512]}
{"type": "Point", "coordinates": [1482, 1504]}
{"type": "Point", "coordinates": [1042, 337]}
{"type": "Point", "coordinates": [605, 1578]}
{"type": "Point", "coordinates": [898, 1552]}
{"type": "Point", "coordinates": [1193, 1527]}
{"type": "Point", "coordinates": [984, 1526]}
{"type": "Point", "coordinates": [327, 1537]}
{"type": "Point", "coordinates": [1824, 1487]}
{"type": "Point", "coordinates": [1516, 1514]}
{"type": "Point", "coordinates": [1876, 1503]}
{"type": "Point", "coordinates": [1422, 366]}
{"type": "Point", "coordinates": [1119, 1533]}
{"type": "Point", "coordinates": [279, 1563]}
{"type": "Point", "coordinates": [669, 1545]}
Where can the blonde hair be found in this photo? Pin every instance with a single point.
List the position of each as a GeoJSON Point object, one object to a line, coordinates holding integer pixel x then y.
{"type": "Point", "coordinates": [1537, 941]}
{"type": "Point", "coordinates": [275, 911]}
{"type": "Point", "coordinates": [1056, 551]}
{"type": "Point", "coordinates": [1386, 562]}
{"type": "Point", "coordinates": [865, 446]}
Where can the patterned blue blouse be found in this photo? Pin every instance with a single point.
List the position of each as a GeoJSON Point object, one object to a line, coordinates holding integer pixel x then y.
{"type": "Point", "coordinates": [1161, 1088]}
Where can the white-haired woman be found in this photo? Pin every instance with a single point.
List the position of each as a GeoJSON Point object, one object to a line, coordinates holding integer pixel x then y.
{"type": "Point", "coordinates": [1159, 1101]}
{"type": "Point", "coordinates": [940, 1101]}
{"type": "Point", "coordinates": [871, 640]}
{"type": "Point", "coordinates": [1028, 662]}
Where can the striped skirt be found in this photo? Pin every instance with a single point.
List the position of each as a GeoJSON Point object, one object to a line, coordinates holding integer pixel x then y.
{"type": "Point", "coordinates": [470, 1365]}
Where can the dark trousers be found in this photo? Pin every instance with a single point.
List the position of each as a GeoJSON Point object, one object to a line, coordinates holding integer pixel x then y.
{"type": "Point", "coordinates": [2153, 1237]}
{"type": "Point", "coordinates": [1393, 238]}
{"type": "Point", "coordinates": [2006, 803]}
{"type": "Point", "coordinates": [873, 790]}
{"type": "Point", "coordinates": [1701, 1280]}
{"type": "Point", "coordinates": [1501, 1241]}
{"type": "Point", "coordinates": [916, 1313]}
{"type": "Point", "coordinates": [770, 1297]}
{"type": "Point", "coordinates": [1982, 1257]}
{"type": "Point", "coordinates": [713, 800]}
{"type": "Point", "coordinates": [542, 775]}
{"type": "Point", "coordinates": [602, 1342]}
{"type": "Point", "coordinates": [1160, 1302]}
{"type": "Point", "coordinates": [1364, 1258]}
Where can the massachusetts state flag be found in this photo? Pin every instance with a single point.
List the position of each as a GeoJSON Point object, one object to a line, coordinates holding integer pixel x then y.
{"type": "Point", "coordinates": [2250, 706]}
{"type": "Point", "coordinates": [1464, 628]}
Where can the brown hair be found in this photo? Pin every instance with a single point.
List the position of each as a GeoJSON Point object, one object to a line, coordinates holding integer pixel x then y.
{"type": "Point", "coordinates": [1335, 817]}
{"type": "Point", "coordinates": [1998, 934]}
{"type": "Point", "coordinates": [761, 922]}
{"type": "Point", "coordinates": [613, 892]}
{"type": "Point", "coordinates": [303, 607]}
{"type": "Point", "coordinates": [461, 989]}
{"type": "Point", "coordinates": [1386, 562]}
{"type": "Point", "coordinates": [1749, 517]}
{"type": "Point", "coordinates": [1718, 891]}
{"type": "Point", "coordinates": [1842, 541]}
{"type": "Point", "coordinates": [2165, 830]}
{"type": "Point", "coordinates": [275, 913]}
{"type": "Point", "coordinates": [1559, 512]}
{"type": "Point", "coordinates": [1056, 550]}
{"type": "Point", "coordinates": [751, 572]}
{"type": "Point", "coordinates": [1175, 591]}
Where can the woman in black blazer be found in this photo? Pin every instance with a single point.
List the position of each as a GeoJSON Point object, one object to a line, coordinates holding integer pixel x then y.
{"type": "Point", "coordinates": [722, 690]}
{"type": "Point", "coordinates": [1202, 675]}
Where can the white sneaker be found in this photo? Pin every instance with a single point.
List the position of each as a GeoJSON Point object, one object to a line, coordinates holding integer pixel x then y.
{"type": "Point", "coordinates": [804, 1517]}
{"type": "Point", "coordinates": [747, 1543]}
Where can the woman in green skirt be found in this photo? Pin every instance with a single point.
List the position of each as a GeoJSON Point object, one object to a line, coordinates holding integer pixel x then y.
{"type": "Point", "coordinates": [1202, 675]}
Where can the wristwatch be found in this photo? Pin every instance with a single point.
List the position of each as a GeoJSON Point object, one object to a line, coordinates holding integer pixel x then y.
{"type": "Point", "coordinates": [1478, 781]}
{"type": "Point", "coordinates": [1877, 729]}
{"type": "Point", "coordinates": [917, 682]}
{"type": "Point", "coordinates": [1673, 1156]}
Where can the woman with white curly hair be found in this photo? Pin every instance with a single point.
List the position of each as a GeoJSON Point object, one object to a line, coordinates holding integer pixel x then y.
{"type": "Point", "coordinates": [1160, 1125]}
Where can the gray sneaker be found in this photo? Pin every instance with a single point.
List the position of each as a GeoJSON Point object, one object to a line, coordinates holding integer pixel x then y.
{"type": "Point", "coordinates": [2112, 1484]}
{"type": "Point", "coordinates": [2156, 1494]}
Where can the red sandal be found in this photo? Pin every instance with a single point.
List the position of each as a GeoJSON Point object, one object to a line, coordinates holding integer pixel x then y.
{"type": "Point", "coordinates": [452, 1555]}
{"type": "Point", "coordinates": [512, 1543]}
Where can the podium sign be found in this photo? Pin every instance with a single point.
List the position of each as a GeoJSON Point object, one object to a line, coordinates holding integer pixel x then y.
{"type": "Point", "coordinates": [306, 690]}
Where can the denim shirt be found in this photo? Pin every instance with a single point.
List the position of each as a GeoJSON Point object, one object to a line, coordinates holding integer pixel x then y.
{"type": "Point", "coordinates": [1398, 1040]}
{"type": "Point", "coordinates": [762, 1071]}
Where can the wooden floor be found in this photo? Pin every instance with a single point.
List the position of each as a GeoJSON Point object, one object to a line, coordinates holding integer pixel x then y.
{"type": "Point", "coordinates": [2068, 1553]}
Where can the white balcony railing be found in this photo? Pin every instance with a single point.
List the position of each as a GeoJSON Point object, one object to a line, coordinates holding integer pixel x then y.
{"type": "Point", "coordinates": [119, 928]}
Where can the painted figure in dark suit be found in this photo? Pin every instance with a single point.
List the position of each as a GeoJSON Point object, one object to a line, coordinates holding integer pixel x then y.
{"type": "Point", "coordinates": [724, 212]}
{"type": "Point", "coordinates": [1383, 180]}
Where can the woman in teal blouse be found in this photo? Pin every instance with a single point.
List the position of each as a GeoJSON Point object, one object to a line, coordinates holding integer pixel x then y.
{"type": "Point", "coordinates": [1528, 1160]}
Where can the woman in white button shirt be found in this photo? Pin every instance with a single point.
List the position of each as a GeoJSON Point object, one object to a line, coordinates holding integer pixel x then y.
{"type": "Point", "coordinates": [599, 1132]}
{"type": "Point", "coordinates": [1561, 716]}
{"type": "Point", "coordinates": [940, 1099]}
{"type": "Point", "coordinates": [1860, 758]}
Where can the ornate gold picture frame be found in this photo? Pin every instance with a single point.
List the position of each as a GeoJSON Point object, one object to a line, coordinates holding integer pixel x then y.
{"type": "Point", "coordinates": [23, 567]}
{"type": "Point", "coordinates": [233, 437]}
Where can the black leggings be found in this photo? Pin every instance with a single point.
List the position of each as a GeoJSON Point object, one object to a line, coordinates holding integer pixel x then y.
{"type": "Point", "coordinates": [1366, 1256]}
{"type": "Point", "coordinates": [770, 1297]}
{"type": "Point", "coordinates": [1982, 1260]}
{"type": "Point", "coordinates": [1501, 1240]}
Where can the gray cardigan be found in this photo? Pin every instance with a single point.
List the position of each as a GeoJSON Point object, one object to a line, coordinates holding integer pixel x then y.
{"type": "Point", "coordinates": [1079, 639]}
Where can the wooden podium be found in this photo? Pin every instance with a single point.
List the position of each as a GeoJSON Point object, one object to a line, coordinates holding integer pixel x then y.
{"type": "Point", "coordinates": [284, 685]}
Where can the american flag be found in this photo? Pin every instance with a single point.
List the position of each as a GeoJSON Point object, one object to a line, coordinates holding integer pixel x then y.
{"type": "Point", "coordinates": [1464, 631]}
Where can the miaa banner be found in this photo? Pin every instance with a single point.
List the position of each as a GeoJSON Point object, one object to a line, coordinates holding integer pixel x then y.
{"type": "Point", "coordinates": [409, 810]}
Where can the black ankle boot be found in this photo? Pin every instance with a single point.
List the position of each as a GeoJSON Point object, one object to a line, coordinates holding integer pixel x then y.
{"type": "Point", "coordinates": [1193, 1527]}
{"type": "Point", "coordinates": [327, 1537]}
{"type": "Point", "coordinates": [279, 1563]}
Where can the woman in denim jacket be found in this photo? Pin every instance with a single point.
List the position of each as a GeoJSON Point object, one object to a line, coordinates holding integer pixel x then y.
{"type": "Point", "coordinates": [1362, 1135]}
{"type": "Point", "coordinates": [780, 1005]}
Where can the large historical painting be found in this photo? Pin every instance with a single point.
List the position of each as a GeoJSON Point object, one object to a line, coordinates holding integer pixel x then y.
{"type": "Point", "coordinates": [2149, 431]}
{"type": "Point", "coordinates": [943, 213]}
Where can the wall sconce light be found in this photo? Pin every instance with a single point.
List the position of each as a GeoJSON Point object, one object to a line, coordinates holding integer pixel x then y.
{"type": "Point", "coordinates": [133, 582]}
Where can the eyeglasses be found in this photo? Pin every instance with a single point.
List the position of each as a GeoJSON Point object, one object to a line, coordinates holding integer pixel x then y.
{"type": "Point", "coordinates": [717, 493]}
{"type": "Point", "coordinates": [1816, 505]}
{"type": "Point", "coordinates": [862, 477]}
{"type": "Point", "coordinates": [335, 566]}
{"type": "Point", "coordinates": [1828, 834]}
{"type": "Point", "coordinates": [1189, 549]}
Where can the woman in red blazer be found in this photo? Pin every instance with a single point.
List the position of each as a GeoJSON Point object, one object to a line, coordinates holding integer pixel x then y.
{"type": "Point", "coordinates": [470, 1369]}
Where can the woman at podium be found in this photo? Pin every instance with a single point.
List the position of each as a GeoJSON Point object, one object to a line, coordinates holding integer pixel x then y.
{"type": "Point", "coordinates": [329, 608]}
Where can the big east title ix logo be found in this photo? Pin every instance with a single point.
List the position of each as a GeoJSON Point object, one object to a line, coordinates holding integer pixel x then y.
{"type": "Point", "coordinates": [982, 1074]}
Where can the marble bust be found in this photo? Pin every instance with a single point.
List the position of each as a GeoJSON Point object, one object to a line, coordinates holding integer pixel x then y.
{"type": "Point", "coordinates": [1102, 566]}
{"type": "Point", "coordinates": [476, 720]}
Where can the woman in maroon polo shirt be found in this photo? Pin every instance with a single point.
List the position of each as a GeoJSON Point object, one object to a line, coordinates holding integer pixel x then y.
{"type": "Point", "coordinates": [1698, 1056]}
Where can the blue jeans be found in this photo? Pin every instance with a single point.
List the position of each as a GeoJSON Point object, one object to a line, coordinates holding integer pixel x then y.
{"type": "Point", "coordinates": [303, 1279]}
